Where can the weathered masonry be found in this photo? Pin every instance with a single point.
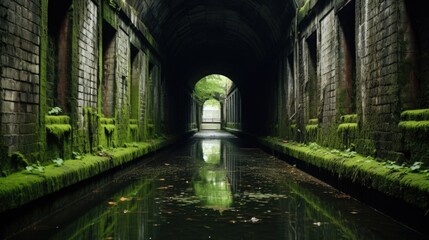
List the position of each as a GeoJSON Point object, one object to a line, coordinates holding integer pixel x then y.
{"type": "Point", "coordinates": [90, 77]}
{"type": "Point", "coordinates": [76, 76]}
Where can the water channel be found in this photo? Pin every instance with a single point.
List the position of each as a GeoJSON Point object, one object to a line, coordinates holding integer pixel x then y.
{"type": "Point", "coordinates": [214, 186]}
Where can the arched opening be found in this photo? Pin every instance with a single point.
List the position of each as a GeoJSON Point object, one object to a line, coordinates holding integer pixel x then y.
{"type": "Point", "coordinates": [210, 94]}
{"type": "Point", "coordinates": [415, 80]}
{"type": "Point", "coordinates": [211, 118]}
{"type": "Point", "coordinates": [59, 39]}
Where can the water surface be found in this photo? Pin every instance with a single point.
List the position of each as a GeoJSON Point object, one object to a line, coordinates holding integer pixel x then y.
{"type": "Point", "coordinates": [214, 186]}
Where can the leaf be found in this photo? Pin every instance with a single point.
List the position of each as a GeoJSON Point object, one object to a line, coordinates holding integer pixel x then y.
{"type": "Point", "coordinates": [416, 166]}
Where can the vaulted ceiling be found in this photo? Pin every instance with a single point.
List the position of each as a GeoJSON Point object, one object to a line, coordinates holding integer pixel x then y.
{"type": "Point", "coordinates": [231, 37]}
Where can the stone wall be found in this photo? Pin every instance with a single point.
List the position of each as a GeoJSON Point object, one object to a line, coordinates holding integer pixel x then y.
{"type": "Point", "coordinates": [359, 66]}
{"type": "Point", "coordinates": [232, 104]}
{"type": "Point", "coordinates": [45, 65]}
{"type": "Point", "coordinates": [19, 70]}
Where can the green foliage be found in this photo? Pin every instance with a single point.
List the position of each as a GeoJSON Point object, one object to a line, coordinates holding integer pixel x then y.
{"type": "Point", "coordinates": [212, 86]}
{"type": "Point", "coordinates": [212, 102]}
{"type": "Point", "coordinates": [55, 111]}
{"type": "Point", "coordinates": [35, 168]}
{"type": "Point", "coordinates": [416, 166]}
{"type": "Point", "coordinates": [76, 155]}
{"type": "Point", "coordinates": [58, 162]}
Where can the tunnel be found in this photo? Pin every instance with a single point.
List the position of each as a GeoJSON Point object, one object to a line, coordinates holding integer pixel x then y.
{"type": "Point", "coordinates": [337, 89]}
{"type": "Point", "coordinates": [237, 39]}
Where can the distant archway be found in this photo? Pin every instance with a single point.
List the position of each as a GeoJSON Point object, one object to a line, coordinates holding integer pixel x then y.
{"type": "Point", "coordinates": [211, 115]}
{"type": "Point", "coordinates": [210, 93]}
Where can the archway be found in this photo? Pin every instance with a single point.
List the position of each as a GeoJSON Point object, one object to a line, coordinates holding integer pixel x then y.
{"type": "Point", "coordinates": [211, 115]}
{"type": "Point", "coordinates": [210, 93]}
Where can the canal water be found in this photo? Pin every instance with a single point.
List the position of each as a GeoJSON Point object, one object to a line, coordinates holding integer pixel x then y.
{"type": "Point", "coordinates": [214, 186]}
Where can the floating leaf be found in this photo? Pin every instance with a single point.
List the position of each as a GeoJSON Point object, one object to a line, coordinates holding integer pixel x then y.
{"type": "Point", "coordinates": [123, 199]}
{"type": "Point", "coordinates": [255, 220]}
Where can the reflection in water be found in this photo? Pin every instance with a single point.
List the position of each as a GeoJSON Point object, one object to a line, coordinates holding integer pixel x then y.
{"type": "Point", "coordinates": [214, 189]}
{"type": "Point", "coordinates": [211, 183]}
{"type": "Point", "coordinates": [129, 214]}
{"type": "Point", "coordinates": [211, 151]}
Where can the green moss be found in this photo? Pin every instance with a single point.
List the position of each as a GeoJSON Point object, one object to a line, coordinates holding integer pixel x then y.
{"type": "Point", "coordinates": [348, 133]}
{"type": "Point", "coordinates": [303, 10]}
{"type": "Point", "coordinates": [347, 127]}
{"type": "Point", "coordinates": [415, 141]}
{"type": "Point", "coordinates": [109, 14]}
{"type": "Point", "coordinates": [414, 126]}
{"type": "Point", "coordinates": [21, 187]}
{"type": "Point", "coordinates": [133, 132]}
{"type": "Point", "coordinates": [107, 121]}
{"type": "Point", "coordinates": [311, 132]}
{"type": "Point", "coordinates": [58, 130]}
{"type": "Point", "coordinates": [57, 119]}
{"type": "Point", "coordinates": [108, 128]}
{"type": "Point", "coordinates": [402, 183]}
{"type": "Point", "coordinates": [415, 115]}
{"type": "Point", "coordinates": [313, 121]}
{"type": "Point", "coordinates": [352, 118]}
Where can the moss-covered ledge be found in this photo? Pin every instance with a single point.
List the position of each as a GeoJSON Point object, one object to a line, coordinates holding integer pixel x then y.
{"type": "Point", "coordinates": [390, 179]}
{"type": "Point", "coordinates": [22, 187]}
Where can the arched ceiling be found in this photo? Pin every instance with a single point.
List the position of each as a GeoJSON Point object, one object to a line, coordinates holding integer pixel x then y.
{"type": "Point", "coordinates": [230, 37]}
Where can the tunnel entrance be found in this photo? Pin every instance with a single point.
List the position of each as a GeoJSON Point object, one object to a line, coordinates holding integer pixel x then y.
{"type": "Point", "coordinates": [210, 94]}
{"type": "Point", "coordinates": [211, 118]}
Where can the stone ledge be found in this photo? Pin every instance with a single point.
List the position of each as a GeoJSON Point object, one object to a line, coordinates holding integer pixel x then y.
{"type": "Point", "coordinates": [402, 184]}
{"type": "Point", "coordinates": [23, 187]}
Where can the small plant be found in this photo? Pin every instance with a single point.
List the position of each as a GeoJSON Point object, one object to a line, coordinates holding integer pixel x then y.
{"type": "Point", "coordinates": [55, 111]}
{"type": "Point", "coordinates": [58, 162]}
{"type": "Point", "coordinates": [349, 153]}
{"type": "Point", "coordinates": [76, 155]}
{"type": "Point", "coordinates": [314, 146]}
{"type": "Point", "coordinates": [392, 165]}
{"type": "Point", "coordinates": [35, 167]}
{"type": "Point", "coordinates": [416, 166]}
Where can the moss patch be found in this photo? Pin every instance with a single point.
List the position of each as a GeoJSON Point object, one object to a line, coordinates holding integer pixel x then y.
{"type": "Point", "coordinates": [58, 130]}
{"type": "Point", "coordinates": [401, 183]}
{"type": "Point", "coordinates": [352, 118]}
{"type": "Point", "coordinates": [415, 115]}
{"type": "Point", "coordinates": [414, 126]}
{"type": "Point", "coordinates": [22, 187]}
